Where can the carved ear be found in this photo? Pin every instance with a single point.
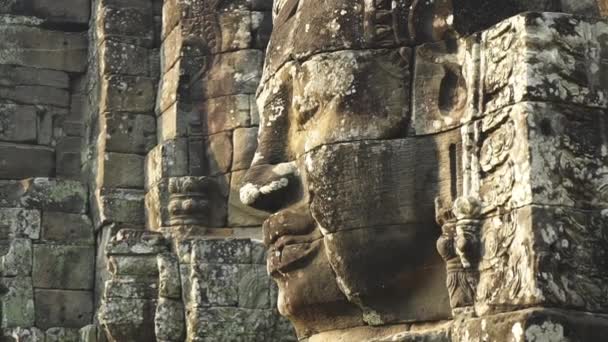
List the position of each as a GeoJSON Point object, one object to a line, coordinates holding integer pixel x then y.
{"type": "Point", "coordinates": [431, 20]}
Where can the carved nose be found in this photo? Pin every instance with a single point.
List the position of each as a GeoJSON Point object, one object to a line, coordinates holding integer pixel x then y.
{"type": "Point", "coordinates": [270, 187]}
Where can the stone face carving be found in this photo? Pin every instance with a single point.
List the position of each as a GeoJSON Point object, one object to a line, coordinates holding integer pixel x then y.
{"type": "Point", "coordinates": [369, 110]}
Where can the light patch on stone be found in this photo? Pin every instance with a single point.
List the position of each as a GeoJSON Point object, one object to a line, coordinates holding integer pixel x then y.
{"type": "Point", "coordinates": [548, 332]}
{"type": "Point", "coordinates": [249, 193]}
{"type": "Point", "coordinates": [274, 186]}
{"type": "Point", "coordinates": [518, 332]}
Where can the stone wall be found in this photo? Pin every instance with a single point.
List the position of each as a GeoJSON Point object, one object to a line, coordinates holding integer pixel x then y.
{"type": "Point", "coordinates": [46, 236]}
{"type": "Point", "coordinates": [125, 127]}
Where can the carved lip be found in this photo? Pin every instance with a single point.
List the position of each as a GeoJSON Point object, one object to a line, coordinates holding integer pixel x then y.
{"type": "Point", "coordinates": [291, 256]}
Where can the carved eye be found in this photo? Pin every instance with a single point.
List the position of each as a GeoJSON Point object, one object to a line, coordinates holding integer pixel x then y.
{"type": "Point", "coordinates": [305, 108]}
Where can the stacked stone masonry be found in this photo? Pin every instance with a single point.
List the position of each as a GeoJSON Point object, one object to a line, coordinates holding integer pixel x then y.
{"type": "Point", "coordinates": [440, 166]}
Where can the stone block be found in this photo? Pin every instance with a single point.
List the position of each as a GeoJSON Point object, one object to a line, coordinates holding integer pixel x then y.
{"type": "Point", "coordinates": [128, 133]}
{"type": "Point", "coordinates": [36, 95]}
{"type": "Point", "coordinates": [14, 75]}
{"type": "Point", "coordinates": [218, 284]}
{"type": "Point", "coordinates": [245, 142]}
{"type": "Point", "coordinates": [122, 93]}
{"type": "Point", "coordinates": [39, 48]}
{"type": "Point", "coordinates": [225, 114]}
{"type": "Point", "coordinates": [221, 324]}
{"type": "Point", "coordinates": [236, 30]}
{"type": "Point", "coordinates": [120, 170]}
{"type": "Point", "coordinates": [53, 194]}
{"type": "Point", "coordinates": [18, 259]}
{"type": "Point", "coordinates": [239, 214]}
{"type": "Point", "coordinates": [67, 228]}
{"type": "Point", "coordinates": [17, 302]}
{"type": "Point", "coordinates": [23, 161]}
{"type": "Point", "coordinates": [553, 255]}
{"type": "Point", "coordinates": [197, 160]}
{"type": "Point", "coordinates": [130, 289]}
{"type": "Point", "coordinates": [116, 57]}
{"type": "Point", "coordinates": [122, 319]}
{"type": "Point", "coordinates": [168, 276]}
{"type": "Point", "coordinates": [222, 251]}
{"type": "Point", "coordinates": [19, 223]}
{"type": "Point", "coordinates": [64, 11]}
{"type": "Point", "coordinates": [23, 334]}
{"type": "Point", "coordinates": [254, 287]}
{"type": "Point", "coordinates": [64, 267]}
{"type": "Point", "coordinates": [68, 157]}
{"type": "Point", "coordinates": [18, 123]}
{"type": "Point", "coordinates": [129, 241]}
{"type": "Point", "coordinates": [230, 73]}
{"type": "Point", "coordinates": [541, 153]}
{"type": "Point", "coordinates": [49, 123]}
{"type": "Point", "coordinates": [533, 325]}
{"type": "Point", "coordinates": [131, 24]}
{"type": "Point", "coordinates": [58, 334]}
{"type": "Point", "coordinates": [533, 57]}
{"type": "Point", "coordinates": [169, 320]}
{"type": "Point", "coordinates": [168, 159]}
{"type": "Point", "coordinates": [179, 120]}
{"type": "Point", "coordinates": [63, 308]}
{"type": "Point", "coordinates": [218, 148]}
{"type": "Point", "coordinates": [118, 206]}
{"type": "Point", "coordinates": [172, 88]}
{"type": "Point", "coordinates": [134, 266]}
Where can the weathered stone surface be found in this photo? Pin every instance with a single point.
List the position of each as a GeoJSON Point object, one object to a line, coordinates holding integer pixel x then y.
{"type": "Point", "coordinates": [121, 170]}
{"type": "Point", "coordinates": [254, 287]}
{"type": "Point", "coordinates": [169, 320]}
{"type": "Point", "coordinates": [47, 194]}
{"type": "Point", "coordinates": [533, 325]}
{"type": "Point", "coordinates": [125, 318]}
{"type": "Point", "coordinates": [68, 157]}
{"type": "Point", "coordinates": [39, 48]}
{"type": "Point", "coordinates": [168, 276]}
{"type": "Point", "coordinates": [62, 335]}
{"type": "Point", "coordinates": [171, 89]}
{"type": "Point", "coordinates": [219, 150]}
{"type": "Point", "coordinates": [62, 308]}
{"type": "Point", "coordinates": [24, 161]}
{"type": "Point", "coordinates": [36, 95]}
{"type": "Point", "coordinates": [136, 242]}
{"type": "Point", "coordinates": [119, 206]}
{"type": "Point", "coordinates": [535, 57]}
{"type": "Point", "coordinates": [225, 113]}
{"type": "Point", "coordinates": [231, 73]}
{"type": "Point", "coordinates": [88, 333]}
{"type": "Point", "coordinates": [133, 94]}
{"type": "Point", "coordinates": [13, 75]}
{"type": "Point", "coordinates": [18, 123]}
{"type": "Point", "coordinates": [179, 120]}
{"type": "Point", "coordinates": [244, 145]}
{"type": "Point", "coordinates": [137, 266]}
{"type": "Point", "coordinates": [218, 324]}
{"type": "Point", "coordinates": [128, 24]}
{"type": "Point", "coordinates": [223, 251]}
{"type": "Point", "coordinates": [63, 267]}
{"type": "Point", "coordinates": [19, 223]}
{"type": "Point", "coordinates": [130, 289]}
{"type": "Point", "coordinates": [18, 259]}
{"type": "Point", "coordinates": [23, 334]}
{"type": "Point", "coordinates": [17, 302]}
{"type": "Point", "coordinates": [168, 159]}
{"type": "Point", "coordinates": [116, 57]}
{"type": "Point", "coordinates": [67, 228]}
{"type": "Point", "coordinates": [128, 133]}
